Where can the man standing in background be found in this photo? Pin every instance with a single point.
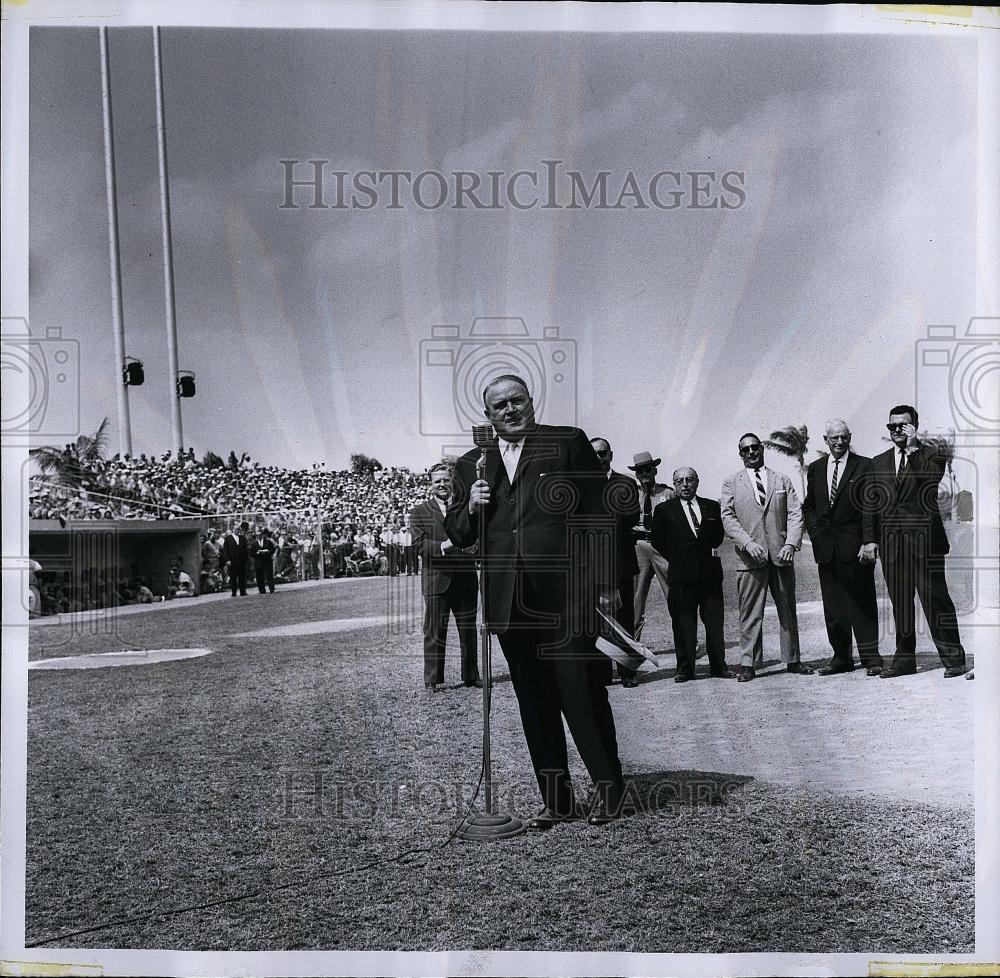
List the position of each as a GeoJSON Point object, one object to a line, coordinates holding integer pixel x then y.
{"type": "Point", "coordinates": [650, 563]}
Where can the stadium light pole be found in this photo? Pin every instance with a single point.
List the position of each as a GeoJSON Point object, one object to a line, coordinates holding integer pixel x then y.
{"type": "Point", "coordinates": [168, 251]}
{"type": "Point", "coordinates": [114, 250]}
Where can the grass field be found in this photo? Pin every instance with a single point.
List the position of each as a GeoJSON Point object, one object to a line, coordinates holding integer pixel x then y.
{"type": "Point", "coordinates": [284, 772]}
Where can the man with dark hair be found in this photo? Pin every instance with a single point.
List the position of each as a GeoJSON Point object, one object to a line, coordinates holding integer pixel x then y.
{"type": "Point", "coordinates": [540, 506]}
{"type": "Point", "coordinates": [236, 556]}
{"type": "Point", "coordinates": [902, 514]}
{"type": "Point", "coordinates": [763, 517]}
{"type": "Point", "coordinates": [650, 562]}
{"type": "Point", "coordinates": [832, 510]}
{"type": "Point", "coordinates": [621, 498]}
{"type": "Point", "coordinates": [448, 582]}
{"type": "Point", "coordinates": [263, 560]}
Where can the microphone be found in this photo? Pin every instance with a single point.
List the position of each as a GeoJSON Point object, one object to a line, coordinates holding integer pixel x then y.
{"type": "Point", "coordinates": [482, 438]}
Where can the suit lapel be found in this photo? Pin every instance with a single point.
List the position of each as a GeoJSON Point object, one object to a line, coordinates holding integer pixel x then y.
{"type": "Point", "coordinates": [684, 513]}
{"type": "Point", "coordinates": [494, 465]}
{"type": "Point", "coordinates": [823, 474]}
{"type": "Point", "coordinates": [768, 486]}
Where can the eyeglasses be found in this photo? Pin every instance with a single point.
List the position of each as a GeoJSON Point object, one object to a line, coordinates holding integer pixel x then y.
{"type": "Point", "coordinates": [896, 426]}
{"type": "Point", "coordinates": [749, 449]}
{"type": "Point", "coordinates": [837, 437]}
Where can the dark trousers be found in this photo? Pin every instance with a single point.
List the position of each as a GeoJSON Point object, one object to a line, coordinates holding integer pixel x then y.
{"type": "Point", "coordinates": [849, 605]}
{"type": "Point", "coordinates": [685, 602]}
{"type": "Point", "coordinates": [910, 571]}
{"type": "Point", "coordinates": [238, 578]}
{"type": "Point", "coordinates": [552, 685]}
{"type": "Point", "coordinates": [459, 600]}
{"type": "Point", "coordinates": [410, 560]}
{"type": "Point", "coordinates": [265, 576]}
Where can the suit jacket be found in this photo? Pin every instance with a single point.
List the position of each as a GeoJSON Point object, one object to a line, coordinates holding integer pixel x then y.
{"type": "Point", "coordinates": [427, 534]}
{"type": "Point", "coordinates": [690, 558]}
{"type": "Point", "coordinates": [778, 522]}
{"type": "Point", "coordinates": [269, 545]}
{"type": "Point", "coordinates": [621, 498]}
{"type": "Point", "coordinates": [837, 531]}
{"type": "Point", "coordinates": [911, 506]}
{"type": "Point", "coordinates": [543, 528]}
{"type": "Point", "coordinates": [235, 553]}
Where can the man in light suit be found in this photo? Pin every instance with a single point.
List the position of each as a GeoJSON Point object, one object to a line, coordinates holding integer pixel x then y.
{"type": "Point", "coordinates": [543, 519]}
{"type": "Point", "coordinates": [448, 582]}
{"type": "Point", "coordinates": [903, 516]}
{"type": "Point", "coordinates": [651, 563]}
{"type": "Point", "coordinates": [621, 498]}
{"type": "Point", "coordinates": [832, 510]}
{"type": "Point", "coordinates": [763, 517]}
{"type": "Point", "coordinates": [688, 531]}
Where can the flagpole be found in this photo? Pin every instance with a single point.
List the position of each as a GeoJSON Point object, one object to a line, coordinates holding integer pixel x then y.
{"type": "Point", "coordinates": [168, 253]}
{"type": "Point", "coordinates": [114, 251]}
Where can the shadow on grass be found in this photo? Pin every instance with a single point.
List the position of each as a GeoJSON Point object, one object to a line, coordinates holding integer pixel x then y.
{"type": "Point", "coordinates": [670, 791]}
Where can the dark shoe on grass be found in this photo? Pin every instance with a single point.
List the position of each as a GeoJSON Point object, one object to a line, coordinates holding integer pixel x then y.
{"type": "Point", "coordinates": [833, 670]}
{"type": "Point", "coordinates": [874, 670]}
{"type": "Point", "coordinates": [432, 687]}
{"type": "Point", "coordinates": [723, 675]}
{"type": "Point", "coordinates": [630, 682]}
{"type": "Point", "coordinates": [474, 684]}
{"type": "Point", "coordinates": [799, 669]}
{"type": "Point", "coordinates": [683, 677]}
{"type": "Point", "coordinates": [547, 819]}
{"type": "Point", "coordinates": [894, 672]}
{"type": "Point", "coordinates": [952, 672]}
{"type": "Point", "coordinates": [746, 675]}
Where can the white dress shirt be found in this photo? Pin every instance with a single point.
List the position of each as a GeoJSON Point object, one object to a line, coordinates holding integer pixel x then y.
{"type": "Point", "coordinates": [510, 454]}
{"type": "Point", "coordinates": [830, 463]}
{"type": "Point", "coordinates": [693, 504]}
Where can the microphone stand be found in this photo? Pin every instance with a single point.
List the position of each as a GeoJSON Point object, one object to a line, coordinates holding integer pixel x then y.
{"type": "Point", "coordinates": [487, 825]}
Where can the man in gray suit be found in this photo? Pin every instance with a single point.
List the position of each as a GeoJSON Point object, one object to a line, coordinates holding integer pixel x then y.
{"type": "Point", "coordinates": [763, 517]}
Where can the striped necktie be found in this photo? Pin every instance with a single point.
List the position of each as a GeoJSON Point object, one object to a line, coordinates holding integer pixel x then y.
{"type": "Point", "coordinates": [833, 485]}
{"type": "Point", "coordinates": [694, 518]}
{"type": "Point", "coordinates": [761, 491]}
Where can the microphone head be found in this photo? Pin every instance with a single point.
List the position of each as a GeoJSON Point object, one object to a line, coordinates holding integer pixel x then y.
{"type": "Point", "coordinates": [482, 435]}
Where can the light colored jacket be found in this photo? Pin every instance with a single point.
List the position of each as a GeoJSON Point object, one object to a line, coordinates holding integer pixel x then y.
{"type": "Point", "coordinates": [776, 523]}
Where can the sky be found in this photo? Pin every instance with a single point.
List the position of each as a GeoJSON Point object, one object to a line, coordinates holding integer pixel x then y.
{"type": "Point", "coordinates": [309, 329]}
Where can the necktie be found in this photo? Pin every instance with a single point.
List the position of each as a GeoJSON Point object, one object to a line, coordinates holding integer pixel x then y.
{"type": "Point", "coordinates": [902, 467]}
{"type": "Point", "coordinates": [694, 518]}
{"type": "Point", "coordinates": [761, 491]}
{"type": "Point", "coordinates": [833, 485]}
{"type": "Point", "coordinates": [647, 511]}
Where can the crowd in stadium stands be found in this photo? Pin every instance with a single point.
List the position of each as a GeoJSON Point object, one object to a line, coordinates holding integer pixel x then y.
{"type": "Point", "coordinates": [355, 523]}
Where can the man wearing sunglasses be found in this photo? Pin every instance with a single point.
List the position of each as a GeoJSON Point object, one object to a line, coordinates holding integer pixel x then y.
{"type": "Point", "coordinates": [763, 517]}
{"type": "Point", "coordinates": [904, 518]}
{"type": "Point", "coordinates": [833, 513]}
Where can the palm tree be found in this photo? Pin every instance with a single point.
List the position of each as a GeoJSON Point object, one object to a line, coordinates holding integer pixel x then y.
{"type": "Point", "coordinates": [794, 443]}
{"type": "Point", "coordinates": [68, 465]}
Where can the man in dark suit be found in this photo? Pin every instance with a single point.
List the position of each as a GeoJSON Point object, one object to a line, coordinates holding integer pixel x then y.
{"type": "Point", "coordinates": [543, 520]}
{"type": "Point", "coordinates": [832, 510]}
{"type": "Point", "coordinates": [263, 560]}
{"type": "Point", "coordinates": [687, 531]}
{"type": "Point", "coordinates": [901, 513]}
{"type": "Point", "coordinates": [448, 582]}
{"type": "Point", "coordinates": [236, 554]}
{"type": "Point", "coordinates": [621, 501]}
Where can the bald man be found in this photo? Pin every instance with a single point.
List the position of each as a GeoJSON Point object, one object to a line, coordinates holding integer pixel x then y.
{"type": "Point", "coordinates": [687, 531]}
{"type": "Point", "coordinates": [833, 514]}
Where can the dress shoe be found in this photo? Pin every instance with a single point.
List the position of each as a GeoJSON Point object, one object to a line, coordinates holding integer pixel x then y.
{"type": "Point", "coordinates": [475, 684]}
{"type": "Point", "coordinates": [603, 816]}
{"type": "Point", "coordinates": [630, 682]}
{"type": "Point", "coordinates": [954, 671]}
{"type": "Point", "coordinates": [799, 669]}
{"type": "Point", "coordinates": [683, 677]}
{"type": "Point", "coordinates": [746, 675]}
{"type": "Point", "coordinates": [547, 819]}
{"type": "Point", "coordinates": [833, 670]}
{"type": "Point", "coordinates": [874, 670]}
{"type": "Point", "coordinates": [728, 674]}
{"type": "Point", "coordinates": [893, 672]}
{"type": "Point", "coordinates": [432, 687]}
